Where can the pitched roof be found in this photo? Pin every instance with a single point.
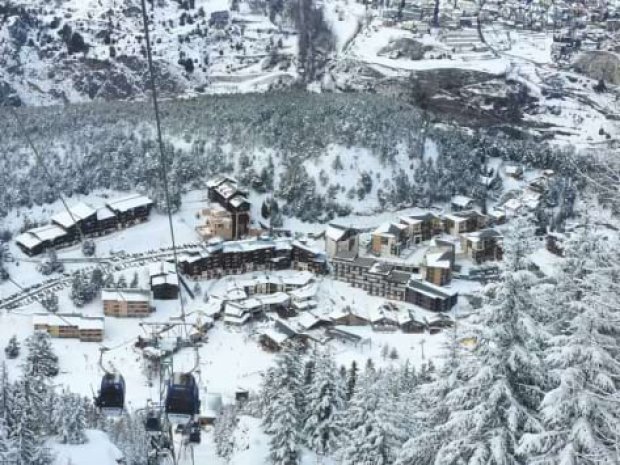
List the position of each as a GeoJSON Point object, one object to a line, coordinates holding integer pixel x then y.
{"type": "Point", "coordinates": [430, 289]}
{"type": "Point", "coordinates": [129, 203]}
{"type": "Point", "coordinates": [79, 212]}
{"type": "Point", "coordinates": [127, 295]}
{"type": "Point", "coordinates": [461, 200]}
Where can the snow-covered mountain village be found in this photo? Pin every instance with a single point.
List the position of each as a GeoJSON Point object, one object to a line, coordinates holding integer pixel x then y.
{"type": "Point", "coordinates": [309, 232]}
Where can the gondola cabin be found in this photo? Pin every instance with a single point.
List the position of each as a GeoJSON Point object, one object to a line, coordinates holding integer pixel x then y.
{"type": "Point", "coordinates": [112, 392]}
{"type": "Point", "coordinates": [182, 397]}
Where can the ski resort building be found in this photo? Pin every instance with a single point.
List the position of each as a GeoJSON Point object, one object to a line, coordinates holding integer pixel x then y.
{"type": "Point", "coordinates": [375, 277]}
{"type": "Point", "coordinates": [340, 239]}
{"type": "Point", "coordinates": [127, 303]}
{"type": "Point", "coordinates": [163, 281]}
{"type": "Point", "coordinates": [70, 325]}
{"type": "Point", "coordinates": [464, 221]}
{"type": "Point", "coordinates": [482, 246]}
{"type": "Point", "coordinates": [389, 239]}
{"type": "Point", "coordinates": [37, 240]}
{"type": "Point", "coordinates": [429, 296]}
{"type": "Point", "coordinates": [438, 263]}
{"type": "Point", "coordinates": [65, 227]}
{"type": "Point", "coordinates": [220, 258]}
{"type": "Point", "coordinates": [228, 215]}
{"type": "Point", "coordinates": [422, 227]}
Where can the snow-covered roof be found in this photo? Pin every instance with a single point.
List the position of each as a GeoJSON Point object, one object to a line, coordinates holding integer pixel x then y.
{"type": "Point", "coordinates": [483, 234]}
{"type": "Point", "coordinates": [409, 220]}
{"type": "Point", "coordinates": [439, 259]}
{"type": "Point", "coordinates": [48, 233]}
{"type": "Point", "coordinates": [307, 320]}
{"type": "Point", "coordinates": [237, 320]}
{"type": "Point", "coordinates": [305, 304]}
{"type": "Point", "coordinates": [456, 218]}
{"type": "Point", "coordinates": [217, 180]}
{"type": "Point", "coordinates": [461, 201]}
{"type": "Point", "coordinates": [273, 299]}
{"type": "Point", "coordinates": [79, 212]}
{"type": "Point", "coordinates": [334, 233]}
{"type": "Point", "coordinates": [67, 320]}
{"type": "Point", "coordinates": [303, 293]}
{"type": "Point", "coordinates": [274, 335]}
{"type": "Point", "coordinates": [28, 240]}
{"type": "Point", "coordinates": [212, 307]}
{"type": "Point", "coordinates": [238, 200]}
{"type": "Point", "coordinates": [382, 313]}
{"type": "Point", "coordinates": [171, 279]}
{"type": "Point", "coordinates": [161, 268]}
{"type": "Point", "coordinates": [390, 229]}
{"type": "Point", "coordinates": [341, 312]}
{"type": "Point", "coordinates": [127, 295]}
{"type": "Point", "coordinates": [104, 213]}
{"type": "Point", "coordinates": [227, 189]}
{"type": "Point", "coordinates": [430, 289]}
{"type": "Point", "coordinates": [129, 203]}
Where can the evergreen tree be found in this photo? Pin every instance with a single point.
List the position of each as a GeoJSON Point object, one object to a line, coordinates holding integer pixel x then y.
{"type": "Point", "coordinates": [135, 281]}
{"type": "Point", "coordinates": [351, 379]}
{"type": "Point", "coordinates": [326, 399]}
{"type": "Point", "coordinates": [223, 434]}
{"type": "Point", "coordinates": [284, 441]}
{"type": "Point", "coordinates": [41, 359]}
{"type": "Point", "coordinates": [12, 348]}
{"type": "Point", "coordinates": [495, 403]}
{"type": "Point", "coordinates": [50, 302]}
{"type": "Point", "coordinates": [9, 452]}
{"type": "Point", "coordinates": [73, 420]}
{"type": "Point", "coordinates": [580, 413]}
{"type": "Point", "coordinates": [284, 377]}
{"type": "Point", "coordinates": [78, 293]}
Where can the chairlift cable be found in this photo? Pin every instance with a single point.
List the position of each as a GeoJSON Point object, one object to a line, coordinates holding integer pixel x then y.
{"type": "Point", "coordinates": [162, 153]}
{"type": "Point", "coordinates": [46, 172]}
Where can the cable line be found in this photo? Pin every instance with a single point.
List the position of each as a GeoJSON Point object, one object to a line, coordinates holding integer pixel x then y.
{"type": "Point", "coordinates": [163, 160]}
{"type": "Point", "coordinates": [50, 179]}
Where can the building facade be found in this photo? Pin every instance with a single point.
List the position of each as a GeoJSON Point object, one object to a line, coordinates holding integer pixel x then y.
{"type": "Point", "coordinates": [127, 303]}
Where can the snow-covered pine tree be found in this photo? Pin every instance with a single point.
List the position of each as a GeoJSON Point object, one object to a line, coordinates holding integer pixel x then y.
{"type": "Point", "coordinates": [41, 359]}
{"type": "Point", "coordinates": [78, 290]}
{"type": "Point", "coordinates": [352, 374]}
{"type": "Point", "coordinates": [135, 281]}
{"type": "Point", "coordinates": [284, 441]}
{"type": "Point", "coordinates": [12, 348]}
{"type": "Point", "coordinates": [581, 415]}
{"type": "Point", "coordinates": [326, 400]}
{"type": "Point", "coordinates": [363, 438]}
{"type": "Point", "coordinates": [27, 419]}
{"type": "Point", "coordinates": [224, 432]}
{"type": "Point", "coordinates": [284, 377]}
{"type": "Point", "coordinates": [50, 302]}
{"type": "Point", "coordinates": [73, 419]}
{"type": "Point", "coordinates": [424, 405]}
{"type": "Point", "coordinates": [496, 399]}
{"type": "Point", "coordinates": [9, 453]}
